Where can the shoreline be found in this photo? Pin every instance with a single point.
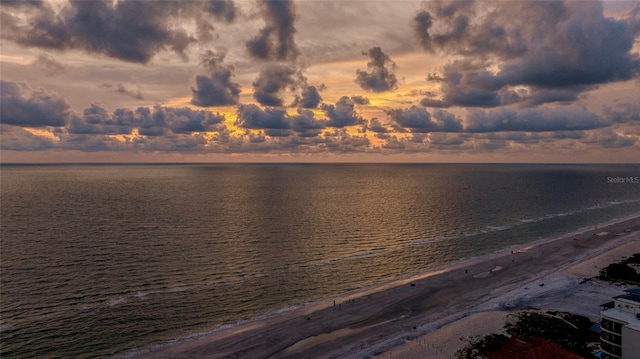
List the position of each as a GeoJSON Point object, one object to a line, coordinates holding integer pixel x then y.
{"type": "Point", "coordinates": [398, 308]}
{"type": "Point", "coordinates": [561, 293]}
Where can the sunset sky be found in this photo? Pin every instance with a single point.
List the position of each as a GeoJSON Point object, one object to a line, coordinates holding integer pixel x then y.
{"type": "Point", "coordinates": [210, 81]}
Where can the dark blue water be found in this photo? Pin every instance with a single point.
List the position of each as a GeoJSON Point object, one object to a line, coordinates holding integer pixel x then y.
{"type": "Point", "coordinates": [98, 260]}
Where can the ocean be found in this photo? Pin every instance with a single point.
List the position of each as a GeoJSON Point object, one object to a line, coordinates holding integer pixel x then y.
{"type": "Point", "coordinates": [103, 260]}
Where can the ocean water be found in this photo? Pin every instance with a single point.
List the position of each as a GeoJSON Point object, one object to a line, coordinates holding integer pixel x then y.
{"type": "Point", "coordinates": [99, 260]}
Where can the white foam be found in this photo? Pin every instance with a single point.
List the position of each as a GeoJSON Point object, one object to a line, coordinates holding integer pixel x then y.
{"type": "Point", "coordinates": [116, 301]}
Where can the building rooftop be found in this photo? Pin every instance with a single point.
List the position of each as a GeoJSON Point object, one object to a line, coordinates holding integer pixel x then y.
{"type": "Point", "coordinates": [635, 291]}
{"type": "Point", "coordinates": [630, 318]}
{"type": "Point", "coordinates": [629, 297]}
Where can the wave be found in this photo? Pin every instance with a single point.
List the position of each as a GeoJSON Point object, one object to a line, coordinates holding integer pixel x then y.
{"type": "Point", "coordinates": [422, 241]}
{"type": "Point", "coordinates": [361, 255]}
{"type": "Point", "coordinates": [112, 302]}
{"type": "Point", "coordinates": [5, 327]}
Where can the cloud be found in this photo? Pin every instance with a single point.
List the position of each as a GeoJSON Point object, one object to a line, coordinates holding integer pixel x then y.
{"type": "Point", "coordinates": [623, 112]}
{"type": "Point", "coordinates": [535, 120]}
{"type": "Point", "coordinates": [360, 100]}
{"type": "Point", "coordinates": [418, 119]}
{"type": "Point", "coordinates": [48, 64]}
{"type": "Point", "coordinates": [342, 113]}
{"type": "Point", "coordinates": [376, 126]}
{"type": "Point", "coordinates": [453, 18]}
{"type": "Point", "coordinates": [216, 89]}
{"type": "Point", "coordinates": [96, 120]}
{"type": "Point", "coordinates": [156, 121]}
{"type": "Point", "coordinates": [305, 123]}
{"type": "Point", "coordinates": [279, 16]}
{"type": "Point", "coordinates": [272, 79]}
{"type": "Point", "coordinates": [186, 120]}
{"type": "Point", "coordinates": [276, 121]}
{"type": "Point", "coordinates": [128, 30]}
{"type": "Point", "coordinates": [18, 139]}
{"type": "Point", "coordinates": [23, 3]}
{"type": "Point", "coordinates": [609, 139]}
{"type": "Point", "coordinates": [224, 10]}
{"type": "Point", "coordinates": [253, 117]}
{"type": "Point", "coordinates": [445, 139]}
{"type": "Point", "coordinates": [381, 75]}
{"type": "Point", "coordinates": [119, 88]}
{"type": "Point", "coordinates": [529, 53]}
{"type": "Point", "coordinates": [24, 106]}
{"type": "Point", "coordinates": [221, 9]}
{"type": "Point", "coordinates": [309, 98]}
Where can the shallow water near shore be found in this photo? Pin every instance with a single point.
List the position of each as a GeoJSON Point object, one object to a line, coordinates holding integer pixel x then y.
{"type": "Point", "coordinates": [98, 260]}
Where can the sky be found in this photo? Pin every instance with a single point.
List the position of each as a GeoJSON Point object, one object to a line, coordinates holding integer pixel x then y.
{"type": "Point", "coordinates": [319, 81]}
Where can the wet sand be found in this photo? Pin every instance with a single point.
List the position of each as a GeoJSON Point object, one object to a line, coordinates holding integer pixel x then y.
{"type": "Point", "coordinates": [375, 320]}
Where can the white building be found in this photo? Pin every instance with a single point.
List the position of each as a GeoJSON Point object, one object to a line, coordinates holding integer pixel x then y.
{"type": "Point", "coordinates": [620, 324]}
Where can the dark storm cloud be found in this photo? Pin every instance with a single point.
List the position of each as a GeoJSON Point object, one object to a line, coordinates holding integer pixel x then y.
{"type": "Point", "coordinates": [550, 119]}
{"type": "Point", "coordinates": [279, 16]}
{"type": "Point", "coordinates": [380, 76]}
{"type": "Point", "coordinates": [216, 89]}
{"type": "Point", "coordinates": [96, 120]}
{"type": "Point", "coordinates": [453, 18]}
{"type": "Point", "coordinates": [273, 78]}
{"type": "Point", "coordinates": [154, 121]}
{"type": "Point", "coordinates": [121, 89]}
{"type": "Point", "coordinates": [309, 98]}
{"type": "Point", "coordinates": [186, 120]}
{"type": "Point", "coordinates": [24, 106]}
{"type": "Point", "coordinates": [304, 123]}
{"type": "Point", "coordinates": [342, 113]}
{"type": "Point", "coordinates": [547, 51]}
{"type": "Point", "coordinates": [221, 9]}
{"type": "Point", "coordinates": [128, 30]}
{"type": "Point", "coordinates": [253, 117]}
{"type": "Point", "coordinates": [48, 64]}
{"type": "Point", "coordinates": [418, 119]}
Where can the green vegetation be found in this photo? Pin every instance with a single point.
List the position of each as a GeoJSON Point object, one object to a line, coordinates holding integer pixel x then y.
{"type": "Point", "coordinates": [621, 271]}
{"type": "Point", "coordinates": [570, 331]}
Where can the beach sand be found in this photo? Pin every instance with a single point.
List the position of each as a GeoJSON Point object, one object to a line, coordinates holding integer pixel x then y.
{"type": "Point", "coordinates": [398, 319]}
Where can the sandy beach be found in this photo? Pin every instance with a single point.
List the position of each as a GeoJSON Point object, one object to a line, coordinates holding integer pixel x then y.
{"type": "Point", "coordinates": [426, 315]}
